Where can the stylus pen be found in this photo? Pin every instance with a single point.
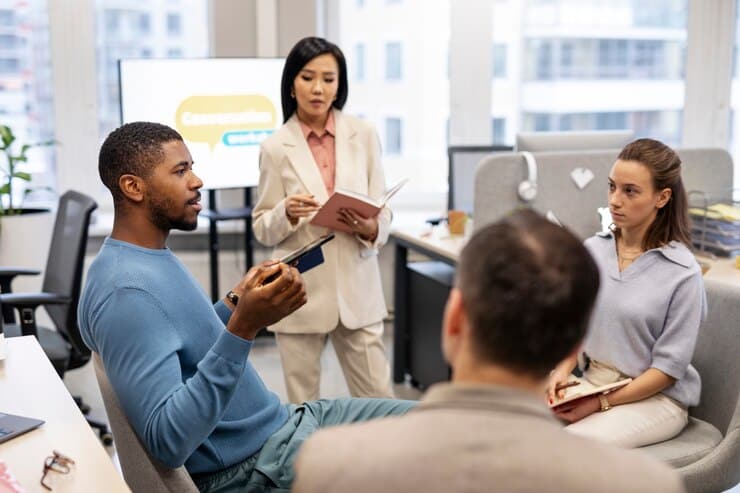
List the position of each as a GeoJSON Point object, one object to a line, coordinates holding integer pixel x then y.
{"type": "Point", "coordinates": [566, 385]}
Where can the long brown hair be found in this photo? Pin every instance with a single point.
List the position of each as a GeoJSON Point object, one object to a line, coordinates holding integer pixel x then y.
{"type": "Point", "coordinates": [672, 220]}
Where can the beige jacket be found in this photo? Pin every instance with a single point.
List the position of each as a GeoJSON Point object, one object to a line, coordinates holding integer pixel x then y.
{"type": "Point", "coordinates": [470, 439]}
{"type": "Point", "coordinates": [347, 285]}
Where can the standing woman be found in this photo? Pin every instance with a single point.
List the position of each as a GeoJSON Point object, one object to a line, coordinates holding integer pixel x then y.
{"type": "Point", "coordinates": [318, 149]}
{"type": "Point", "coordinates": [649, 309]}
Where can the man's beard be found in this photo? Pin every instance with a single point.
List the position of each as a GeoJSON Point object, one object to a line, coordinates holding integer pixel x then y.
{"type": "Point", "coordinates": [159, 211]}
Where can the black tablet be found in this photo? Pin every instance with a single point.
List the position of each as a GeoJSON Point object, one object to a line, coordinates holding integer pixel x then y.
{"type": "Point", "coordinates": [296, 255]}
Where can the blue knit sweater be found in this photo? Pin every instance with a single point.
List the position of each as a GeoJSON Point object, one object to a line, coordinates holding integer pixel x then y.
{"type": "Point", "coordinates": [182, 379]}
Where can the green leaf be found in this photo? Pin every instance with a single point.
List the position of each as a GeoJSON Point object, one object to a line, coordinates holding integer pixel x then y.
{"type": "Point", "coordinates": [22, 175]}
{"type": "Point", "coordinates": [6, 135]}
{"type": "Point", "coordinates": [5, 188]}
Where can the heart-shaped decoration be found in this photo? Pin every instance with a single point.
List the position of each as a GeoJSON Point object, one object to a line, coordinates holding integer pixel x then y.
{"type": "Point", "coordinates": [581, 177]}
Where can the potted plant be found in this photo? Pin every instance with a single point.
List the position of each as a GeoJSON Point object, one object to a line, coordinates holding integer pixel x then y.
{"type": "Point", "coordinates": [25, 233]}
{"type": "Point", "coordinates": [10, 172]}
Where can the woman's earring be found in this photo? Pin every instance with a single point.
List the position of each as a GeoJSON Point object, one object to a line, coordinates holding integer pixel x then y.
{"type": "Point", "coordinates": [292, 94]}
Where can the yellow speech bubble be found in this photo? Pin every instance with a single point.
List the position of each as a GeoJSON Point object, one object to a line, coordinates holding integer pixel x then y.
{"type": "Point", "coordinates": [208, 118]}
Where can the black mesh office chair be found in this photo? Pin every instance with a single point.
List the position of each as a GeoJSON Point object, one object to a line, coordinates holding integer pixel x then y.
{"type": "Point", "coordinates": [60, 294]}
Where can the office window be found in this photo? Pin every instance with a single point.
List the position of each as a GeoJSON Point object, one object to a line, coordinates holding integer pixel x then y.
{"type": "Point", "coordinates": [660, 13]}
{"type": "Point", "coordinates": [135, 35]}
{"type": "Point", "coordinates": [498, 126]}
{"type": "Point", "coordinates": [145, 23]}
{"type": "Point", "coordinates": [538, 122]}
{"type": "Point", "coordinates": [393, 61]}
{"type": "Point", "coordinates": [26, 90]}
{"type": "Point", "coordinates": [8, 41]}
{"type": "Point", "coordinates": [359, 62]}
{"type": "Point", "coordinates": [612, 61]}
{"type": "Point", "coordinates": [174, 24]}
{"type": "Point", "coordinates": [393, 138]}
{"type": "Point", "coordinates": [542, 123]}
{"type": "Point", "coordinates": [566, 123]}
{"type": "Point", "coordinates": [615, 120]}
{"type": "Point", "coordinates": [543, 69]}
{"type": "Point", "coordinates": [498, 65]}
{"type": "Point", "coordinates": [112, 20]}
{"type": "Point", "coordinates": [7, 17]}
{"type": "Point", "coordinates": [9, 65]}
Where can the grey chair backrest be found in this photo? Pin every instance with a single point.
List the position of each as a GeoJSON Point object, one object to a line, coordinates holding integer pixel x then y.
{"type": "Point", "coordinates": [717, 359]}
{"type": "Point", "coordinates": [64, 266]}
{"type": "Point", "coordinates": [498, 177]}
{"type": "Point", "coordinates": [142, 472]}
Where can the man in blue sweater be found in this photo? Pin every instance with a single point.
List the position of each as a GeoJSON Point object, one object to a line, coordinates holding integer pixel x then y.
{"type": "Point", "coordinates": [179, 365]}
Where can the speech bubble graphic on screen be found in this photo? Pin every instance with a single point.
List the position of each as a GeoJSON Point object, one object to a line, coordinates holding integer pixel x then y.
{"type": "Point", "coordinates": [235, 120]}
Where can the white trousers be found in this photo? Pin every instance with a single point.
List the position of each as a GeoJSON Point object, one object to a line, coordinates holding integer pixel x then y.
{"type": "Point", "coordinates": [632, 425]}
{"type": "Point", "coordinates": [361, 355]}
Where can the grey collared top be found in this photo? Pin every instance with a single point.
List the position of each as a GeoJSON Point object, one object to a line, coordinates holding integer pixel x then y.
{"type": "Point", "coordinates": [648, 316]}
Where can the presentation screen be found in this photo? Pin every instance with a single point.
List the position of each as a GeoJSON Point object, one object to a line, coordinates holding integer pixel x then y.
{"type": "Point", "coordinates": [223, 108]}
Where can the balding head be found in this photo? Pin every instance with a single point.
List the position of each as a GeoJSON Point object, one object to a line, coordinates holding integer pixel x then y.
{"type": "Point", "coordinates": [528, 288]}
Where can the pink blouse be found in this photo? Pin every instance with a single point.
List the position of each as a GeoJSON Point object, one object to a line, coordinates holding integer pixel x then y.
{"type": "Point", "coordinates": [322, 148]}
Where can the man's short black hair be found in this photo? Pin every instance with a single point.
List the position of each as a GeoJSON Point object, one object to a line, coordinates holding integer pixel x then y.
{"type": "Point", "coordinates": [132, 149]}
{"type": "Point", "coordinates": [528, 287]}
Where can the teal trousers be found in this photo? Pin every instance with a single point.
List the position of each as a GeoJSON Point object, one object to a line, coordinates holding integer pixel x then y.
{"type": "Point", "coordinates": [271, 469]}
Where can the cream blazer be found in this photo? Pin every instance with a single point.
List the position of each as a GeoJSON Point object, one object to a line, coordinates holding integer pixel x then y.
{"type": "Point", "coordinates": [474, 438]}
{"type": "Point", "coordinates": [347, 286]}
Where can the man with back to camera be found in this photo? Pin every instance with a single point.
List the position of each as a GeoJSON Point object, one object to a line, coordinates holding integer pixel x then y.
{"type": "Point", "coordinates": [177, 363]}
{"type": "Point", "coordinates": [524, 293]}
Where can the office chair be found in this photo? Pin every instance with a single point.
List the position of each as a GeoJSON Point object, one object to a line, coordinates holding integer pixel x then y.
{"type": "Point", "coordinates": [141, 471]}
{"type": "Point", "coordinates": [707, 452]}
{"type": "Point", "coordinates": [60, 294]}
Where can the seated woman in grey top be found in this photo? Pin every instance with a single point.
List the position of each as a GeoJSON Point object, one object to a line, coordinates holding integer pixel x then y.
{"type": "Point", "coordinates": [649, 309]}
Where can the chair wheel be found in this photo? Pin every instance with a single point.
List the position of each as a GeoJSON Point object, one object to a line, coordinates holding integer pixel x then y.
{"type": "Point", "coordinates": [106, 438]}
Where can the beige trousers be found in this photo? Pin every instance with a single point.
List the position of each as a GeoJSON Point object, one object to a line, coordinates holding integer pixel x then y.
{"type": "Point", "coordinates": [361, 355]}
{"type": "Point", "coordinates": [632, 425]}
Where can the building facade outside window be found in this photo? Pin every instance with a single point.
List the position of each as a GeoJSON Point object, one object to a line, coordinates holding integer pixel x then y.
{"type": "Point", "coordinates": [132, 29]}
{"type": "Point", "coordinates": [393, 136]}
{"type": "Point", "coordinates": [174, 24]}
{"type": "Point", "coordinates": [26, 97]}
{"type": "Point", "coordinates": [359, 62]}
{"type": "Point", "coordinates": [393, 61]}
{"type": "Point", "coordinates": [498, 66]}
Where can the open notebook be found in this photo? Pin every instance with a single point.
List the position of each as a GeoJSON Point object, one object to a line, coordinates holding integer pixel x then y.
{"type": "Point", "coordinates": [365, 206]}
{"type": "Point", "coordinates": [585, 389]}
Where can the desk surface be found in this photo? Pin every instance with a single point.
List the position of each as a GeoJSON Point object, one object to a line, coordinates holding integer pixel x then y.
{"type": "Point", "coordinates": [436, 240]}
{"type": "Point", "coordinates": [29, 386]}
{"type": "Point", "coordinates": [448, 246]}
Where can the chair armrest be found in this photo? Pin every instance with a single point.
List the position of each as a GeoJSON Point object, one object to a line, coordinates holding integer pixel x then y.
{"type": "Point", "coordinates": [26, 304]}
{"type": "Point", "coordinates": [716, 471]}
{"type": "Point", "coordinates": [32, 300]}
{"type": "Point", "coordinates": [8, 273]}
{"type": "Point", "coordinates": [18, 271]}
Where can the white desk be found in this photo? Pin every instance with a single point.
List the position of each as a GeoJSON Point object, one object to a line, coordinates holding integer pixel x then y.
{"type": "Point", "coordinates": [721, 269]}
{"type": "Point", "coordinates": [29, 386]}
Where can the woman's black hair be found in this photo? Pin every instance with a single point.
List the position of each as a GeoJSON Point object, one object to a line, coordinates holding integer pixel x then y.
{"type": "Point", "coordinates": [303, 52]}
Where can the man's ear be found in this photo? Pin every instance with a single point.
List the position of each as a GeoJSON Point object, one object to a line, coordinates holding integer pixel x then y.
{"type": "Point", "coordinates": [454, 325]}
{"type": "Point", "coordinates": [665, 196]}
{"type": "Point", "coordinates": [132, 187]}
